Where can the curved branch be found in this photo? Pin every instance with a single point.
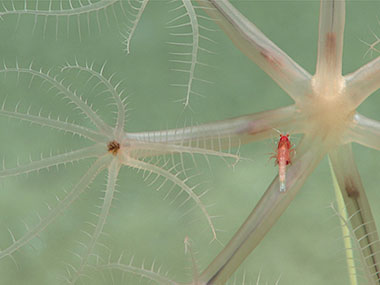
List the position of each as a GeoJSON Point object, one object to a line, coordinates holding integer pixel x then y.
{"type": "Point", "coordinates": [85, 181]}
{"type": "Point", "coordinates": [131, 29]}
{"type": "Point", "coordinates": [82, 9]}
{"type": "Point", "coordinates": [140, 271]}
{"type": "Point", "coordinates": [91, 114]}
{"type": "Point", "coordinates": [139, 164]}
{"type": "Point", "coordinates": [121, 110]}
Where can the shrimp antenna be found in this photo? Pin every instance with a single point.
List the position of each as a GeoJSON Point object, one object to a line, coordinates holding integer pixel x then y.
{"type": "Point", "coordinates": [280, 133]}
{"type": "Point", "coordinates": [277, 131]}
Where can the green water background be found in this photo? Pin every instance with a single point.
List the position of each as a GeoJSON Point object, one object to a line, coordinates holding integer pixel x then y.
{"type": "Point", "coordinates": [304, 247]}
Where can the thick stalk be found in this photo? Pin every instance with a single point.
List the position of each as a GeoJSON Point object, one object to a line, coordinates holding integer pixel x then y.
{"type": "Point", "coordinates": [348, 246]}
{"type": "Point", "coordinates": [364, 131]}
{"type": "Point", "coordinates": [330, 41]}
{"type": "Point", "coordinates": [358, 208]}
{"type": "Point", "coordinates": [364, 81]}
{"type": "Point", "coordinates": [227, 133]}
{"type": "Point", "coordinates": [291, 77]}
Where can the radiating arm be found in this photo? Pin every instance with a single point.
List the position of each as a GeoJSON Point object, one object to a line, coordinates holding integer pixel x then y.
{"type": "Point", "coordinates": [56, 211]}
{"type": "Point", "coordinates": [55, 124]}
{"type": "Point", "coordinates": [330, 41]}
{"type": "Point", "coordinates": [112, 90]}
{"type": "Point", "coordinates": [65, 92]}
{"type": "Point", "coordinates": [113, 171]}
{"type": "Point", "coordinates": [147, 273]}
{"type": "Point", "coordinates": [55, 160]}
{"type": "Point", "coordinates": [365, 131]}
{"type": "Point", "coordinates": [228, 133]}
{"type": "Point", "coordinates": [364, 81]}
{"type": "Point", "coordinates": [173, 178]}
{"type": "Point", "coordinates": [252, 42]}
{"type": "Point", "coordinates": [72, 11]}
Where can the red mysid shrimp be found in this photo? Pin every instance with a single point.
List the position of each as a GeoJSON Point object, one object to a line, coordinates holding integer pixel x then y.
{"type": "Point", "coordinates": [283, 158]}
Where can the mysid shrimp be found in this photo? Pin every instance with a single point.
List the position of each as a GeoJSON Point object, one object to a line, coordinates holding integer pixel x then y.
{"type": "Point", "coordinates": [283, 157]}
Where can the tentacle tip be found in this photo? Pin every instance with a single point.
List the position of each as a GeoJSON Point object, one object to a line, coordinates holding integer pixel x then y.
{"type": "Point", "coordinates": [282, 187]}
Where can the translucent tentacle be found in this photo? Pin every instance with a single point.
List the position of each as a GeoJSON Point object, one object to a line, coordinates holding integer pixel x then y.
{"type": "Point", "coordinates": [102, 126]}
{"type": "Point", "coordinates": [175, 180]}
{"type": "Point", "coordinates": [84, 182]}
{"type": "Point", "coordinates": [55, 160]}
{"type": "Point", "coordinates": [56, 124]}
{"type": "Point", "coordinates": [113, 171]}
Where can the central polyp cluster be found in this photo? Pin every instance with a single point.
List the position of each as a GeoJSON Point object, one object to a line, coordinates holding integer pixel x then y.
{"type": "Point", "coordinates": [328, 111]}
{"type": "Point", "coordinates": [113, 147]}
